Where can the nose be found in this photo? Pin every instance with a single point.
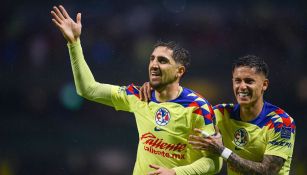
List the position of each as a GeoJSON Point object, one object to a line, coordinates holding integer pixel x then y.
{"type": "Point", "coordinates": [242, 85]}
{"type": "Point", "coordinates": [154, 63]}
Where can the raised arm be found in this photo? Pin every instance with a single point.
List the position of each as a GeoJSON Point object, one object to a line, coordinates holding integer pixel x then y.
{"type": "Point", "coordinates": [70, 29]}
{"type": "Point", "coordinates": [269, 165]}
{"type": "Point", "coordinates": [85, 83]}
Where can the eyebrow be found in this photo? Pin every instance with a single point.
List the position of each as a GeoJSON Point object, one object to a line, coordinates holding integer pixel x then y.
{"type": "Point", "coordinates": [163, 57]}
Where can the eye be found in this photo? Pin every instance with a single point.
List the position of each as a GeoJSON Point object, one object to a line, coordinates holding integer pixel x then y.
{"type": "Point", "coordinates": [236, 81]}
{"type": "Point", "coordinates": [163, 60]}
{"type": "Point", "coordinates": [249, 81]}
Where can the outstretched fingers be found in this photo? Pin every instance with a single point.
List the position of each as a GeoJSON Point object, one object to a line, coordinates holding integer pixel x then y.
{"type": "Point", "coordinates": [197, 138]}
{"type": "Point", "coordinates": [58, 13]}
{"type": "Point", "coordinates": [56, 17]}
{"type": "Point", "coordinates": [64, 12]}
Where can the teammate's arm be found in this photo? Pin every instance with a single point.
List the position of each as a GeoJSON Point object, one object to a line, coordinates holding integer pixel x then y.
{"type": "Point", "coordinates": [85, 83]}
{"type": "Point", "coordinates": [204, 165]}
{"type": "Point", "coordinates": [269, 165]}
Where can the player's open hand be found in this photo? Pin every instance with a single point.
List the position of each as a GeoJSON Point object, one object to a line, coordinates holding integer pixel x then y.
{"type": "Point", "coordinates": [145, 92]}
{"type": "Point", "coordinates": [69, 28]}
{"type": "Point", "coordinates": [161, 170]}
{"type": "Point", "coordinates": [211, 143]}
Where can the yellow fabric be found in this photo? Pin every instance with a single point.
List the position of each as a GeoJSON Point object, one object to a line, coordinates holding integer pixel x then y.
{"type": "Point", "coordinates": [271, 133]}
{"type": "Point", "coordinates": [161, 142]}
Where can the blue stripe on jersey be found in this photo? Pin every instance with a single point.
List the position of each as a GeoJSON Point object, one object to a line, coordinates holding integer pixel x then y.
{"type": "Point", "coordinates": [264, 119]}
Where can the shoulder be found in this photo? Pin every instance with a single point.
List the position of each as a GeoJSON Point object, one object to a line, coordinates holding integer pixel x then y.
{"type": "Point", "coordinates": [132, 90]}
{"type": "Point", "coordinates": [278, 120]}
{"type": "Point", "coordinates": [191, 99]}
{"type": "Point", "coordinates": [221, 108]}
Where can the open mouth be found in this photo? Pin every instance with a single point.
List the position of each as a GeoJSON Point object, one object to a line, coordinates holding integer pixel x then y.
{"type": "Point", "coordinates": [155, 74]}
{"type": "Point", "coordinates": [243, 94]}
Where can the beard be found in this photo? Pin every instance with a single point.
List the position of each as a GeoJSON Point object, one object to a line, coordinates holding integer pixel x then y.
{"type": "Point", "coordinates": [160, 85]}
{"type": "Point", "coordinates": [157, 86]}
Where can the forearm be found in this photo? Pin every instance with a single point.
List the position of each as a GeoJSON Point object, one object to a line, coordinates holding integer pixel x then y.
{"type": "Point", "coordinates": [204, 165]}
{"type": "Point", "coordinates": [86, 85]}
{"type": "Point", "coordinates": [269, 165]}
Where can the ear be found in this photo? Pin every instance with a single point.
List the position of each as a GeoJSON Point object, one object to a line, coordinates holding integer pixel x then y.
{"type": "Point", "coordinates": [180, 71]}
{"type": "Point", "coordinates": [265, 85]}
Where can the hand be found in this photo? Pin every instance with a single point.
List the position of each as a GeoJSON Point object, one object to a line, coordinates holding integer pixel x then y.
{"type": "Point", "coordinates": [145, 92]}
{"type": "Point", "coordinates": [211, 144]}
{"type": "Point", "coordinates": [69, 28]}
{"type": "Point", "coordinates": [161, 170]}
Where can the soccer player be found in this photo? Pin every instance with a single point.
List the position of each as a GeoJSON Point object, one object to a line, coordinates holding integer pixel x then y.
{"type": "Point", "coordinates": [258, 137]}
{"type": "Point", "coordinates": [165, 123]}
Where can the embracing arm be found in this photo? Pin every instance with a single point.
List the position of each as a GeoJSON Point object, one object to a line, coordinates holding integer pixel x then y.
{"type": "Point", "coordinates": [204, 165]}
{"type": "Point", "coordinates": [85, 83]}
{"type": "Point", "coordinates": [269, 165]}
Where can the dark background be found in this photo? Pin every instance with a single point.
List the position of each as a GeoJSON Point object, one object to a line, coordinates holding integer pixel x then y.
{"type": "Point", "coordinates": [46, 129]}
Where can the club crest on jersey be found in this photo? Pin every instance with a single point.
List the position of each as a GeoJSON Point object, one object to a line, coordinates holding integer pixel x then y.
{"type": "Point", "coordinates": [162, 116]}
{"type": "Point", "coordinates": [241, 137]}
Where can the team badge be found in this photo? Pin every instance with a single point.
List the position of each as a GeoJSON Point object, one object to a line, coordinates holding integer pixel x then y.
{"type": "Point", "coordinates": [241, 137]}
{"type": "Point", "coordinates": [162, 116]}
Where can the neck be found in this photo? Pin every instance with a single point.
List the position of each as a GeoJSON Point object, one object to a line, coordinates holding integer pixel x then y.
{"type": "Point", "coordinates": [170, 92]}
{"type": "Point", "coordinates": [249, 113]}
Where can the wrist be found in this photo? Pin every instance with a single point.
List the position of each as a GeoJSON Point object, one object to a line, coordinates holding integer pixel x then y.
{"type": "Point", "coordinates": [226, 153]}
{"type": "Point", "coordinates": [73, 42]}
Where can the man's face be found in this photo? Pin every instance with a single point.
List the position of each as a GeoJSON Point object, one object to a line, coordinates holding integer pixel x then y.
{"type": "Point", "coordinates": [248, 85]}
{"type": "Point", "coordinates": [163, 70]}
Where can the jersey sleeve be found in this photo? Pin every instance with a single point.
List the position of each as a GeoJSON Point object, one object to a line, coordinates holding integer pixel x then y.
{"type": "Point", "coordinates": [85, 83]}
{"type": "Point", "coordinates": [204, 165]}
{"type": "Point", "coordinates": [125, 97]}
{"type": "Point", "coordinates": [205, 118]}
{"type": "Point", "coordinates": [281, 137]}
{"type": "Point", "coordinates": [122, 98]}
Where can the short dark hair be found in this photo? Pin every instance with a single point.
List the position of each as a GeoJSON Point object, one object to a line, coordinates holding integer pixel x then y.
{"type": "Point", "coordinates": [180, 54]}
{"type": "Point", "coordinates": [252, 61]}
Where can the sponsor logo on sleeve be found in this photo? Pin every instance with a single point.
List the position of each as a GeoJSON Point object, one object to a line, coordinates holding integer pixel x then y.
{"type": "Point", "coordinates": [281, 143]}
{"type": "Point", "coordinates": [285, 132]}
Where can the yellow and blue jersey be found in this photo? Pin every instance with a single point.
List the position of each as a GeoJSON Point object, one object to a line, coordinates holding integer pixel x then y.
{"type": "Point", "coordinates": [164, 128]}
{"type": "Point", "coordinates": [271, 133]}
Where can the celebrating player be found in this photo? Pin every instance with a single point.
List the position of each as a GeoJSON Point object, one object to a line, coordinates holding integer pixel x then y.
{"type": "Point", "coordinates": [258, 137]}
{"type": "Point", "coordinates": [165, 123]}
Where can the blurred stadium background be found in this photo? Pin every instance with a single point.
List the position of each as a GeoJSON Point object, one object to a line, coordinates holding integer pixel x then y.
{"type": "Point", "coordinates": [46, 129]}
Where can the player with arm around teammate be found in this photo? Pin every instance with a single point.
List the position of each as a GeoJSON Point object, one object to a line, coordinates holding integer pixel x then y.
{"type": "Point", "coordinates": [165, 123]}
{"type": "Point", "coordinates": [258, 137]}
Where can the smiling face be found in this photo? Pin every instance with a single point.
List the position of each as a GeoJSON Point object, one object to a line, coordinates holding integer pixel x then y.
{"type": "Point", "coordinates": [248, 85]}
{"type": "Point", "coordinates": [163, 70]}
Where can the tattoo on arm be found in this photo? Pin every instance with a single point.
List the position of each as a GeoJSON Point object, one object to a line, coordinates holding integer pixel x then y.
{"type": "Point", "coordinates": [269, 165]}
